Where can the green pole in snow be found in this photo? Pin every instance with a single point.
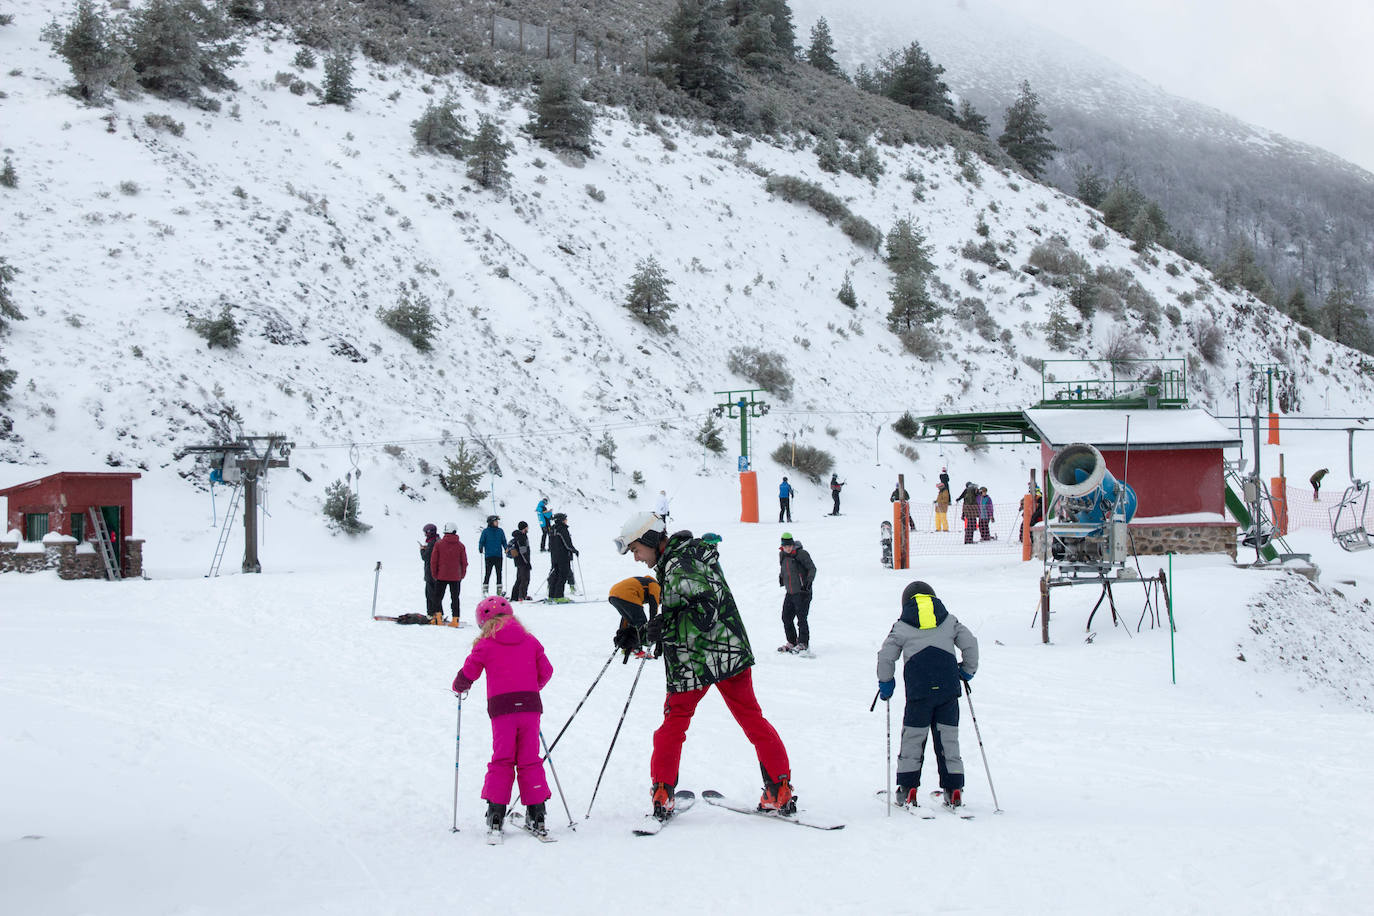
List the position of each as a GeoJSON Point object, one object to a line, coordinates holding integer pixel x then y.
{"type": "Point", "coordinates": [1173, 660]}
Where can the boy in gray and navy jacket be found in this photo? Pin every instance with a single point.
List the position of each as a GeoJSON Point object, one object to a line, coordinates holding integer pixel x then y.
{"type": "Point", "coordinates": [925, 639]}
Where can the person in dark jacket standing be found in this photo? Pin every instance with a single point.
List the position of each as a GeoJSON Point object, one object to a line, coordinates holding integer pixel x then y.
{"type": "Point", "coordinates": [492, 546]}
{"type": "Point", "coordinates": [545, 517]}
{"type": "Point", "coordinates": [519, 551]}
{"type": "Point", "coordinates": [925, 639]}
{"type": "Point", "coordinates": [835, 487]}
{"type": "Point", "coordinates": [448, 561]}
{"type": "Point", "coordinates": [433, 605]}
{"type": "Point", "coordinates": [796, 573]}
{"type": "Point", "coordinates": [985, 515]}
{"type": "Point", "coordinates": [944, 477]}
{"type": "Point", "coordinates": [561, 553]}
{"type": "Point", "coordinates": [969, 511]}
{"type": "Point", "coordinates": [785, 491]}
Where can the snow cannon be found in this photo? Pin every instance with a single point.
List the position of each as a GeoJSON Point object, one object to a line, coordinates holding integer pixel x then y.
{"type": "Point", "coordinates": [1079, 474]}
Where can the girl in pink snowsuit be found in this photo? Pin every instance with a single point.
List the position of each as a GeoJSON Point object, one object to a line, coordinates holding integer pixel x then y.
{"type": "Point", "coordinates": [517, 670]}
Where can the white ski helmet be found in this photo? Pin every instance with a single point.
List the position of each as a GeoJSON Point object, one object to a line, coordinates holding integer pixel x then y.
{"type": "Point", "coordinates": [450, 527]}
{"type": "Point", "coordinates": [642, 526]}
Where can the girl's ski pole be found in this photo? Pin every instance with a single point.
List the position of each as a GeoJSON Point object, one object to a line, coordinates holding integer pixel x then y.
{"type": "Point", "coordinates": [638, 672]}
{"type": "Point", "coordinates": [572, 824]}
{"type": "Point", "coordinates": [457, 746]}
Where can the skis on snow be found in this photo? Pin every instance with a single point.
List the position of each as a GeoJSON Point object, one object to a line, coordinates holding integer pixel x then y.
{"type": "Point", "coordinates": [682, 801]}
{"type": "Point", "coordinates": [924, 813]}
{"type": "Point", "coordinates": [715, 798]}
{"type": "Point", "coordinates": [939, 796]}
{"type": "Point", "coordinates": [542, 834]}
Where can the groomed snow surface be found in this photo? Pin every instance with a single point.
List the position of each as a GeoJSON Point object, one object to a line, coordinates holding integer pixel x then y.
{"type": "Point", "coordinates": [256, 744]}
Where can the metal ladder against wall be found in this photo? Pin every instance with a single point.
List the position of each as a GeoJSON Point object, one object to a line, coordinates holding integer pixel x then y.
{"type": "Point", "coordinates": [103, 545]}
{"type": "Point", "coordinates": [224, 532]}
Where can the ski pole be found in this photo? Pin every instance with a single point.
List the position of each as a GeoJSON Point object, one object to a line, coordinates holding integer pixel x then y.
{"type": "Point", "coordinates": [376, 578]}
{"type": "Point", "coordinates": [968, 695]}
{"type": "Point", "coordinates": [874, 705]}
{"type": "Point", "coordinates": [580, 577]}
{"type": "Point", "coordinates": [457, 746]}
{"type": "Point", "coordinates": [888, 775]}
{"type": "Point", "coordinates": [615, 736]}
{"type": "Point", "coordinates": [548, 750]}
{"type": "Point", "coordinates": [572, 824]}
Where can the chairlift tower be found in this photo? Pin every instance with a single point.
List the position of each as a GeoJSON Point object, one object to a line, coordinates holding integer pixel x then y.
{"type": "Point", "coordinates": [246, 461]}
{"type": "Point", "coordinates": [744, 405]}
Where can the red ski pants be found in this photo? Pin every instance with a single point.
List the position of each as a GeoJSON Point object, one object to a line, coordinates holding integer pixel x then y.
{"type": "Point", "coordinates": [738, 694]}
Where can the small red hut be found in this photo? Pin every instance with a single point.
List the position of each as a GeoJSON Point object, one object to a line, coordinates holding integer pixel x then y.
{"type": "Point", "coordinates": [77, 504]}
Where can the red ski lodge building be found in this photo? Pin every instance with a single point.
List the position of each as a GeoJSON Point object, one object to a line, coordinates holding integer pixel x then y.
{"type": "Point", "coordinates": [78, 523]}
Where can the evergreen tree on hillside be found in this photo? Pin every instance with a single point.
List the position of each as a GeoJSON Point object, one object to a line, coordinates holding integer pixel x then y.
{"type": "Point", "coordinates": [562, 121]}
{"type": "Point", "coordinates": [1089, 186]}
{"type": "Point", "coordinates": [697, 56]}
{"type": "Point", "coordinates": [821, 52]}
{"type": "Point", "coordinates": [91, 49]}
{"type": "Point", "coordinates": [912, 306]}
{"type": "Point", "coordinates": [338, 78]}
{"type": "Point", "coordinates": [1059, 330]}
{"type": "Point", "coordinates": [777, 14]}
{"type": "Point", "coordinates": [178, 47]}
{"type": "Point", "coordinates": [441, 129]}
{"type": "Point", "coordinates": [1346, 321]}
{"type": "Point", "coordinates": [1026, 134]}
{"type": "Point", "coordinates": [648, 298]}
{"type": "Point", "coordinates": [907, 251]}
{"type": "Point", "coordinates": [487, 155]}
{"type": "Point", "coordinates": [909, 77]}
{"type": "Point", "coordinates": [970, 119]}
{"type": "Point", "coordinates": [1298, 309]}
{"type": "Point", "coordinates": [8, 311]}
{"type": "Point", "coordinates": [754, 44]}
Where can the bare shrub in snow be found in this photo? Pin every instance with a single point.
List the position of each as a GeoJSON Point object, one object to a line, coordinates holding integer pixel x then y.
{"type": "Point", "coordinates": [766, 369]}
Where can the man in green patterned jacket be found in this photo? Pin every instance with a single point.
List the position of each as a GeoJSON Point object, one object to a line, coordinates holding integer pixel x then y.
{"type": "Point", "coordinates": [701, 638]}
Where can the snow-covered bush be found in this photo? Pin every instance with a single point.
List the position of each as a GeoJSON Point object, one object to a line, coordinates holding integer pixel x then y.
{"type": "Point", "coordinates": [764, 368]}
{"type": "Point", "coordinates": [412, 319]}
{"type": "Point", "coordinates": [815, 463]}
{"type": "Point", "coordinates": [341, 507]}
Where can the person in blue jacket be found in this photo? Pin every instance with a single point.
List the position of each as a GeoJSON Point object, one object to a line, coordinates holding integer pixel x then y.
{"type": "Point", "coordinates": [925, 639]}
{"type": "Point", "coordinates": [492, 546]}
{"type": "Point", "coordinates": [785, 491]}
{"type": "Point", "coordinates": [545, 516]}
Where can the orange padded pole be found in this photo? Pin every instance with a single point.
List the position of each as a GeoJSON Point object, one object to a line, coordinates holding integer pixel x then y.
{"type": "Point", "coordinates": [748, 496]}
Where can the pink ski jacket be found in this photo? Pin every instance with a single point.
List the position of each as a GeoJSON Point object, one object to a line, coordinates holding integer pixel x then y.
{"type": "Point", "coordinates": [516, 668]}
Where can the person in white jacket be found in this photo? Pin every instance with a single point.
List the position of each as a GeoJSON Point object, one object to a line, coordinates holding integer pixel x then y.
{"type": "Point", "coordinates": [661, 507]}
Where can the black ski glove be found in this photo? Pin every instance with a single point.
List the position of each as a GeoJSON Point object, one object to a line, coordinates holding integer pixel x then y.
{"type": "Point", "coordinates": [628, 638]}
{"type": "Point", "coordinates": [653, 631]}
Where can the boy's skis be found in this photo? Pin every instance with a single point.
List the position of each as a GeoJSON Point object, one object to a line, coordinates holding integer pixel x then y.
{"type": "Point", "coordinates": [715, 798]}
{"type": "Point", "coordinates": [939, 796]}
{"type": "Point", "coordinates": [924, 813]}
{"type": "Point", "coordinates": [682, 801]}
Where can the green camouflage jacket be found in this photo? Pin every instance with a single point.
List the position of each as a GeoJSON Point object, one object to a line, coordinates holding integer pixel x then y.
{"type": "Point", "coordinates": [703, 635]}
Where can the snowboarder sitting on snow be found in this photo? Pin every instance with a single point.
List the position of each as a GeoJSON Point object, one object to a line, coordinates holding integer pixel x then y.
{"type": "Point", "coordinates": [492, 545]}
{"type": "Point", "coordinates": [703, 644]}
{"type": "Point", "coordinates": [925, 637]}
{"type": "Point", "coordinates": [796, 573]}
{"type": "Point", "coordinates": [630, 597]}
{"type": "Point", "coordinates": [517, 670]}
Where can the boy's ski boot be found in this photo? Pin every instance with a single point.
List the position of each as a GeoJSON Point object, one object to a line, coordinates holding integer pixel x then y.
{"type": "Point", "coordinates": [954, 798]}
{"type": "Point", "coordinates": [907, 796]}
{"type": "Point", "coordinates": [534, 820]}
{"type": "Point", "coordinates": [496, 816]}
{"type": "Point", "coordinates": [777, 795]}
{"type": "Point", "coordinates": [664, 800]}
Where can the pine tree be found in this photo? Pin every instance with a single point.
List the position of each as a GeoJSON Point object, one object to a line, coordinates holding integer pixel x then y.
{"type": "Point", "coordinates": [8, 310]}
{"type": "Point", "coordinates": [1025, 136]}
{"type": "Point", "coordinates": [178, 47]}
{"type": "Point", "coordinates": [970, 119]}
{"type": "Point", "coordinates": [441, 129]}
{"type": "Point", "coordinates": [487, 155]}
{"type": "Point", "coordinates": [562, 121]}
{"type": "Point", "coordinates": [648, 297]}
{"type": "Point", "coordinates": [464, 472]}
{"type": "Point", "coordinates": [341, 505]}
{"type": "Point", "coordinates": [755, 45]}
{"type": "Point", "coordinates": [709, 436]}
{"type": "Point", "coordinates": [338, 78]}
{"type": "Point", "coordinates": [1346, 321]}
{"type": "Point", "coordinates": [909, 77]}
{"type": "Point", "coordinates": [1089, 186]}
{"type": "Point", "coordinates": [697, 56]}
{"type": "Point", "coordinates": [1059, 330]}
{"type": "Point", "coordinates": [222, 331]}
{"type": "Point", "coordinates": [1297, 307]}
{"type": "Point", "coordinates": [846, 293]}
{"type": "Point", "coordinates": [780, 20]}
{"type": "Point", "coordinates": [606, 448]}
{"type": "Point", "coordinates": [912, 306]}
{"type": "Point", "coordinates": [9, 178]}
{"type": "Point", "coordinates": [91, 48]}
{"type": "Point", "coordinates": [412, 319]}
{"type": "Point", "coordinates": [821, 52]}
{"type": "Point", "coordinates": [907, 251]}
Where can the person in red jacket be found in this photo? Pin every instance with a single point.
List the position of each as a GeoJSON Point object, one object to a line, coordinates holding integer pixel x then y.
{"type": "Point", "coordinates": [448, 561]}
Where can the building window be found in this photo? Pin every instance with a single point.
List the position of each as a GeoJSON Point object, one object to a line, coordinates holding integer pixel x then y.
{"type": "Point", "coordinates": [35, 525]}
{"type": "Point", "coordinates": [78, 527]}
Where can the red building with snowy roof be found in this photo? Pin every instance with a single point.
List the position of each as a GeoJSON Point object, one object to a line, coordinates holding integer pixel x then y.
{"type": "Point", "coordinates": [68, 509]}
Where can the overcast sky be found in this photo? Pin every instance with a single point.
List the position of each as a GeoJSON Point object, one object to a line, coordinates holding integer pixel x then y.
{"type": "Point", "coordinates": [1304, 69]}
